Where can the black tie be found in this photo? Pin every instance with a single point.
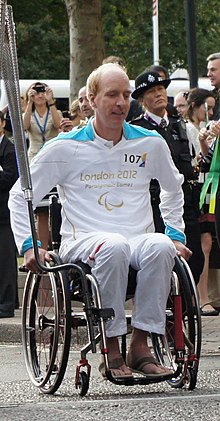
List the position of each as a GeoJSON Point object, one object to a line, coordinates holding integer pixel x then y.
{"type": "Point", "coordinates": [163, 123]}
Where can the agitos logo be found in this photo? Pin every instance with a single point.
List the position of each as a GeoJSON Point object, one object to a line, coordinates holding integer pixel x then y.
{"type": "Point", "coordinates": [103, 200]}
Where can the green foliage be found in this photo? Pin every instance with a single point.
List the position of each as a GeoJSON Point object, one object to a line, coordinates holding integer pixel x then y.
{"type": "Point", "coordinates": [43, 34]}
{"type": "Point", "coordinates": [128, 32]}
{"type": "Point", "coordinates": [42, 39]}
{"type": "Point", "coordinates": [208, 31]}
{"type": "Point", "coordinates": [127, 28]}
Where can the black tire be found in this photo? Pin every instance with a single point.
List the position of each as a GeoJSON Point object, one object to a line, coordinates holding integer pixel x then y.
{"type": "Point", "coordinates": [83, 383]}
{"type": "Point", "coordinates": [46, 329]}
{"type": "Point", "coordinates": [197, 312]}
{"type": "Point", "coordinates": [191, 322]}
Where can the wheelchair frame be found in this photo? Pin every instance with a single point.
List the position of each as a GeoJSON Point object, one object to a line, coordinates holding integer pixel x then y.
{"type": "Point", "coordinates": [47, 320]}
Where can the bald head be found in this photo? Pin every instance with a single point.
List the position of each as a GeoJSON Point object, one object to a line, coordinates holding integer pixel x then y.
{"type": "Point", "coordinates": [98, 75]}
{"type": "Point", "coordinates": [180, 103]}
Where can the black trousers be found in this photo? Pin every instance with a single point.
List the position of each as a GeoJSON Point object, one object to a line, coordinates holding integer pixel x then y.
{"type": "Point", "coordinates": [8, 270]}
{"type": "Point", "coordinates": [192, 230]}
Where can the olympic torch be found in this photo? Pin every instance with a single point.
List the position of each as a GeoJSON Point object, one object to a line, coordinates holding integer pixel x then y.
{"type": "Point", "coordinates": [155, 32]}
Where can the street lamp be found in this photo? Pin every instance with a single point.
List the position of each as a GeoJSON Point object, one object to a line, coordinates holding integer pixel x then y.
{"type": "Point", "coordinates": [189, 6]}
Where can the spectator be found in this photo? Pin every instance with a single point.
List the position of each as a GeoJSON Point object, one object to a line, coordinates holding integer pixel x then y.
{"type": "Point", "coordinates": [8, 256]}
{"type": "Point", "coordinates": [213, 73]}
{"type": "Point", "coordinates": [41, 117]}
{"type": "Point", "coordinates": [8, 127]}
{"type": "Point", "coordinates": [151, 92]}
{"type": "Point", "coordinates": [41, 122]}
{"type": "Point", "coordinates": [74, 118]}
{"type": "Point", "coordinates": [116, 60]}
{"type": "Point", "coordinates": [84, 108]}
{"type": "Point", "coordinates": [209, 218]}
{"type": "Point", "coordinates": [84, 104]}
{"type": "Point", "coordinates": [180, 103]}
{"type": "Point", "coordinates": [77, 116]}
{"type": "Point", "coordinates": [106, 219]}
{"type": "Point", "coordinates": [200, 106]}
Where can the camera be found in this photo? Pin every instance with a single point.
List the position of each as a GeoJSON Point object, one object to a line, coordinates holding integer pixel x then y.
{"type": "Point", "coordinates": [66, 114]}
{"type": "Point", "coordinates": [40, 88]}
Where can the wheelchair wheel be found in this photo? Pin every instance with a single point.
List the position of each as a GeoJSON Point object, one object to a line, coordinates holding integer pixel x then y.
{"type": "Point", "coordinates": [191, 328]}
{"type": "Point", "coordinates": [83, 383]}
{"type": "Point", "coordinates": [46, 329]}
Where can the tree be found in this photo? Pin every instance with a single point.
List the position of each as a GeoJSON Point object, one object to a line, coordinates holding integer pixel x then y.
{"type": "Point", "coordinates": [127, 28]}
{"type": "Point", "coordinates": [48, 29]}
{"type": "Point", "coordinates": [42, 39]}
{"type": "Point", "coordinates": [86, 40]}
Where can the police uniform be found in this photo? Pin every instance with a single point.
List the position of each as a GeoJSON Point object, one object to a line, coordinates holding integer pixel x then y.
{"type": "Point", "coordinates": [176, 138]}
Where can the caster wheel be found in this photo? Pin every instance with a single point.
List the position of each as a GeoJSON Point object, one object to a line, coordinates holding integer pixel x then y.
{"type": "Point", "coordinates": [83, 383]}
{"type": "Point", "coordinates": [193, 371]}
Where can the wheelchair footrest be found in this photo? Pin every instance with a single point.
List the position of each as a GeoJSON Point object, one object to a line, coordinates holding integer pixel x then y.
{"type": "Point", "coordinates": [104, 313]}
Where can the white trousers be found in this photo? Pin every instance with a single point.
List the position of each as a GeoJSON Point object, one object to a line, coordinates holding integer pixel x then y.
{"type": "Point", "coordinates": [109, 256]}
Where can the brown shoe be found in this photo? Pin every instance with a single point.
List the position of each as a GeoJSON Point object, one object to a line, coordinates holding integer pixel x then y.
{"type": "Point", "coordinates": [116, 367]}
{"type": "Point", "coordinates": [138, 365]}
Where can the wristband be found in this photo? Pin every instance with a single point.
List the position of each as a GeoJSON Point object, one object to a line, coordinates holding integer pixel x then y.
{"type": "Point", "coordinates": [51, 105]}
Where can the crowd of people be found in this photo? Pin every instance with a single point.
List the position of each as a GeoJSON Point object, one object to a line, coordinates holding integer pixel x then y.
{"type": "Point", "coordinates": [112, 222]}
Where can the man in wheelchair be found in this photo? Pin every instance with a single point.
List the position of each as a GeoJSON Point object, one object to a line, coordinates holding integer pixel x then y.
{"type": "Point", "coordinates": [102, 172]}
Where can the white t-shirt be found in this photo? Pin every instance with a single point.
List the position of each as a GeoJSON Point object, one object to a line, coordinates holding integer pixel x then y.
{"type": "Point", "coordinates": [102, 188]}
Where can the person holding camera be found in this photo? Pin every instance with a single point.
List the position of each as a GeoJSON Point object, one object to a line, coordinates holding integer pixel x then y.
{"type": "Point", "coordinates": [84, 112]}
{"type": "Point", "coordinates": [73, 118]}
{"type": "Point", "coordinates": [41, 117]}
{"type": "Point", "coordinates": [41, 122]}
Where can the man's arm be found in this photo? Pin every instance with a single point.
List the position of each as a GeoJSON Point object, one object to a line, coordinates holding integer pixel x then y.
{"type": "Point", "coordinates": [171, 195]}
{"type": "Point", "coordinates": [172, 199]}
{"type": "Point", "coordinates": [46, 172]}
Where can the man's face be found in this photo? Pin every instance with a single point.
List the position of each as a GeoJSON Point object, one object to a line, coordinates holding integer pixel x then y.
{"type": "Point", "coordinates": [213, 72]}
{"type": "Point", "coordinates": [84, 104]}
{"type": "Point", "coordinates": [112, 101]}
{"type": "Point", "coordinates": [180, 104]}
{"type": "Point", "coordinates": [155, 100]}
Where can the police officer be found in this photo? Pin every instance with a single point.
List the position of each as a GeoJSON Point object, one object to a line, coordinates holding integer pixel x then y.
{"type": "Point", "coordinates": [150, 90]}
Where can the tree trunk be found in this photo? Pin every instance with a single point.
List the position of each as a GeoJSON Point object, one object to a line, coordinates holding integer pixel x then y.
{"type": "Point", "coordinates": [86, 41]}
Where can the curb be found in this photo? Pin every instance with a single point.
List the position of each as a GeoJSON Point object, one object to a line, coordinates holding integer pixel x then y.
{"type": "Point", "coordinates": [10, 328]}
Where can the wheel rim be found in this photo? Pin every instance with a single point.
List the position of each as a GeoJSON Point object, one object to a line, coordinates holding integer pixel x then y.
{"type": "Point", "coordinates": [40, 327]}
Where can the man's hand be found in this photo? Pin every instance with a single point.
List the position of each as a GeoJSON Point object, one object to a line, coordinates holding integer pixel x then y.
{"type": "Point", "coordinates": [182, 250]}
{"type": "Point", "coordinates": [30, 261]}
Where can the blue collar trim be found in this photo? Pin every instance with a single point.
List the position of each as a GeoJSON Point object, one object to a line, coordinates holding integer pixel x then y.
{"type": "Point", "coordinates": [87, 133]}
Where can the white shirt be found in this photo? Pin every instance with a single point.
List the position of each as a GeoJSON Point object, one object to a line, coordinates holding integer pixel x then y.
{"type": "Point", "coordinates": [101, 188]}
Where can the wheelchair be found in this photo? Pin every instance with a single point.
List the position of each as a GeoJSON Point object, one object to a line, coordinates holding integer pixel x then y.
{"type": "Point", "coordinates": [48, 319]}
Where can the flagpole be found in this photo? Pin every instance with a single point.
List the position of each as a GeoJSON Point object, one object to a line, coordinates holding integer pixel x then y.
{"type": "Point", "coordinates": [155, 32]}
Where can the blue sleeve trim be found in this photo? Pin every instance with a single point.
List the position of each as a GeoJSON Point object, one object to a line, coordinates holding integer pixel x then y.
{"type": "Point", "coordinates": [173, 234]}
{"type": "Point", "coordinates": [28, 244]}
